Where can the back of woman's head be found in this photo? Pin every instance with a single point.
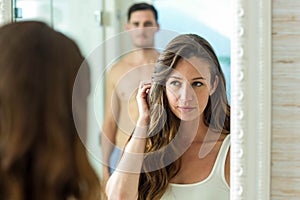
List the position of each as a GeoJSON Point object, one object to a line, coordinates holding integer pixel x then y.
{"type": "Point", "coordinates": [41, 154]}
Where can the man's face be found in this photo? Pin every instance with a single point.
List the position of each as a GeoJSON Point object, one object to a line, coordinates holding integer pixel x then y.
{"type": "Point", "coordinates": [142, 27]}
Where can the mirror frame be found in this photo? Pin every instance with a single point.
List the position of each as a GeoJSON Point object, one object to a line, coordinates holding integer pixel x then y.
{"type": "Point", "coordinates": [250, 97]}
{"type": "Point", "coordinates": [251, 92]}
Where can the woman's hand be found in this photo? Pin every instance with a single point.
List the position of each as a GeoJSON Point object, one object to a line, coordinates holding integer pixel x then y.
{"type": "Point", "coordinates": [143, 106]}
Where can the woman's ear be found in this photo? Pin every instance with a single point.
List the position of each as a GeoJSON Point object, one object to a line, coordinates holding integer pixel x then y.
{"type": "Point", "coordinates": [215, 85]}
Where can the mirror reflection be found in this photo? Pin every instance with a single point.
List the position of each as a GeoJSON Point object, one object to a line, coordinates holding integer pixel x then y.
{"type": "Point", "coordinates": [86, 25]}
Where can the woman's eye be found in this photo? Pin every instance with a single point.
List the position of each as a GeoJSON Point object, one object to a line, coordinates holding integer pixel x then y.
{"type": "Point", "coordinates": [197, 84]}
{"type": "Point", "coordinates": [175, 83]}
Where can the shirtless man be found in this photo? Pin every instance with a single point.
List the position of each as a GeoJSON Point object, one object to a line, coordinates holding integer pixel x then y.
{"type": "Point", "coordinates": [122, 81]}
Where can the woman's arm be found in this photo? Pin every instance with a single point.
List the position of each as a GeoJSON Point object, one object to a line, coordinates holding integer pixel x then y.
{"type": "Point", "coordinates": [124, 182]}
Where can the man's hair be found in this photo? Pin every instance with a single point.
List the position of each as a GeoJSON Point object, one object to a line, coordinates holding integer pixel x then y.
{"type": "Point", "coordinates": [142, 6]}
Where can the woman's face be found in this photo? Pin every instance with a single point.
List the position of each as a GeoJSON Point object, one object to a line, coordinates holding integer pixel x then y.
{"type": "Point", "coordinates": [188, 88]}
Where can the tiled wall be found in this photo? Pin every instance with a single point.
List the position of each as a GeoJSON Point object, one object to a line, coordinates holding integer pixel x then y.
{"type": "Point", "coordinates": [286, 100]}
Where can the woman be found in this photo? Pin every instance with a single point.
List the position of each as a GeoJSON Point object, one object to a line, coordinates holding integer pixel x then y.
{"type": "Point", "coordinates": [183, 130]}
{"type": "Point", "coordinates": [41, 154]}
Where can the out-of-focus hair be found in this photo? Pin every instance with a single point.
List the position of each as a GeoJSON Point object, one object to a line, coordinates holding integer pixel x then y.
{"type": "Point", "coordinates": [41, 153]}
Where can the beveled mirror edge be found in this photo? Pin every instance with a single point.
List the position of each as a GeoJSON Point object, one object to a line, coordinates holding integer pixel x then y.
{"type": "Point", "coordinates": [251, 100]}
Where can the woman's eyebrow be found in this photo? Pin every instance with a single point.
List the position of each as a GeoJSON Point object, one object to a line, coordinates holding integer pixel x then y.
{"type": "Point", "coordinates": [175, 77]}
{"type": "Point", "coordinates": [180, 78]}
{"type": "Point", "coordinates": [202, 78]}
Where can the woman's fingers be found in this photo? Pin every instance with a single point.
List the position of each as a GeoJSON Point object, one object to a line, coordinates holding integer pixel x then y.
{"type": "Point", "coordinates": [144, 89]}
{"type": "Point", "coordinates": [141, 97]}
{"type": "Point", "coordinates": [144, 83]}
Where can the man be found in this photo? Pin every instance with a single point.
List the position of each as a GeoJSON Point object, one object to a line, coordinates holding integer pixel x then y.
{"type": "Point", "coordinates": [122, 81]}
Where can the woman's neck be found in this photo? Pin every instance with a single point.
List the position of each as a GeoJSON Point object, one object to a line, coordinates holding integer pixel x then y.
{"type": "Point", "coordinates": [198, 134]}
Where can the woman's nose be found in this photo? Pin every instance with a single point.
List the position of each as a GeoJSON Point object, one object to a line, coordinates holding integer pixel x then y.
{"type": "Point", "coordinates": [186, 93]}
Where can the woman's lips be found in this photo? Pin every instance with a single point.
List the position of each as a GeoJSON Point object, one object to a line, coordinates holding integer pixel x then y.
{"type": "Point", "coordinates": [186, 108]}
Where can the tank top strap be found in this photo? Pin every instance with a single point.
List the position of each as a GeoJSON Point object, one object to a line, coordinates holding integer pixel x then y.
{"type": "Point", "coordinates": [219, 168]}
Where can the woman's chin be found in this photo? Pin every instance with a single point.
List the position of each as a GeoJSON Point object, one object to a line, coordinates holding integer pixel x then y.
{"type": "Point", "coordinates": [188, 117]}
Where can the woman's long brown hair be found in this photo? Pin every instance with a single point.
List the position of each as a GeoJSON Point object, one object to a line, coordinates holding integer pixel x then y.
{"type": "Point", "coordinates": [164, 125]}
{"type": "Point", "coordinates": [41, 154]}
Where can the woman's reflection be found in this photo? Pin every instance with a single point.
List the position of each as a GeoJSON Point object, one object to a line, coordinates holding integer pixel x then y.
{"type": "Point", "coordinates": [183, 129]}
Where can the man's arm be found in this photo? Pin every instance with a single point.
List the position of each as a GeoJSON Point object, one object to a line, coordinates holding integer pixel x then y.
{"type": "Point", "coordinates": [108, 137]}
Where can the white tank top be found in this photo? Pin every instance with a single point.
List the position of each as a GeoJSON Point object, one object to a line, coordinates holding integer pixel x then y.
{"type": "Point", "coordinates": [214, 187]}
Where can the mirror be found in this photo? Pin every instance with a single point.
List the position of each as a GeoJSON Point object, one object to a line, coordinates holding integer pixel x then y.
{"type": "Point", "coordinates": [250, 96]}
